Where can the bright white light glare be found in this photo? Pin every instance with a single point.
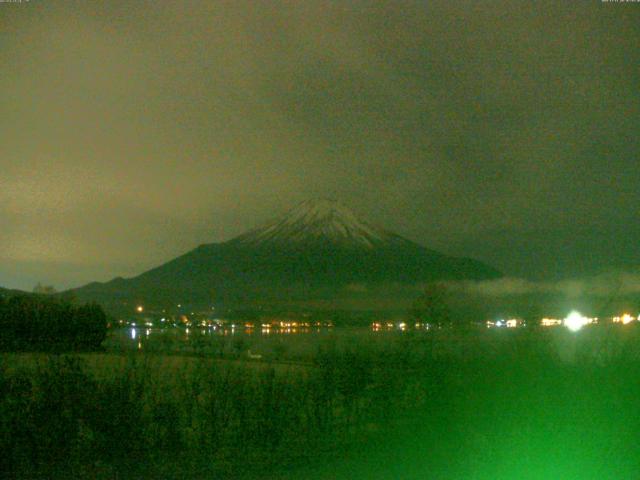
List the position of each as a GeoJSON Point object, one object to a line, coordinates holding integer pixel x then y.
{"type": "Point", "coordinates": [575, 321]}
{"type": "Point", "coordinates": [133, 333]}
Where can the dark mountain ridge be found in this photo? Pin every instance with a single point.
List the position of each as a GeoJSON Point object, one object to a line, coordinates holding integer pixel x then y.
{"type": "Point", "coordinates": [314, 251]}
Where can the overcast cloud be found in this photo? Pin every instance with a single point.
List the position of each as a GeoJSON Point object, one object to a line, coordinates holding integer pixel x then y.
{"type": "Point", "coordinates": [131, 132]}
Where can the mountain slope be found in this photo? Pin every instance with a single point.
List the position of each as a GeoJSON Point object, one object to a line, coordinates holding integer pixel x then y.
{"type": "Point", "coordinates": [316, 250]}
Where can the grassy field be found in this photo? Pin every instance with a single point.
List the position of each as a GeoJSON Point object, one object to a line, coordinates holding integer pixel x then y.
{"type": "Point", "coordinates": [528, 404]}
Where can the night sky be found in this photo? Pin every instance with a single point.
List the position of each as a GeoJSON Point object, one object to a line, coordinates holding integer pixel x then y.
{"type": "Point", "coordinates": [131, 132]}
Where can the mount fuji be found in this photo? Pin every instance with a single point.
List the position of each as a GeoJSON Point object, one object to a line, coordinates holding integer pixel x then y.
{"type": "Point", "coordinates": [319, 222]}
{"type": "Point", "coordinates": [317, 250]}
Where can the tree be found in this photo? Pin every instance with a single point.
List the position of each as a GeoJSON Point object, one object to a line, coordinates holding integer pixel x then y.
{"type": "Point", "coordinates": [431, 306]}
{"type": "Point", "coordinates": [44, 289]}
{"type": "Point", "coordinates": [46, 323]}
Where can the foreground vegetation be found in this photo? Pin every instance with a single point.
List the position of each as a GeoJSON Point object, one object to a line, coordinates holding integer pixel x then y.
{"type": "Point", "coordinates": [400, 409]}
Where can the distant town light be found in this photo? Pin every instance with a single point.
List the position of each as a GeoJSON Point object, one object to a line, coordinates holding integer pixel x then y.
{"type": "Point", "coordinates": [510, 323]}
{"type": "Point", "coordinates": [575, 321]}
{"type": "Point", "coordinates": [550, 322]}
{"type": "Point", "coordinates": [624, 319]}
{"type": "Point", "coordinates": [139, 308]}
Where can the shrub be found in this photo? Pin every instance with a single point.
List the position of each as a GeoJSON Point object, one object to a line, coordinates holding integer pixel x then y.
{"type": "Point", "coordinates": [45, 323]}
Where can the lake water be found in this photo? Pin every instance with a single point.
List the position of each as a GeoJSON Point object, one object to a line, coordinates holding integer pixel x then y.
{"type": "Point", "coordinates": [291, 343]}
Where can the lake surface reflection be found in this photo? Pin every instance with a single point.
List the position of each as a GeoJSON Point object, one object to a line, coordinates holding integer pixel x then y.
{"type": "Point", "coordinates": [237, 341]}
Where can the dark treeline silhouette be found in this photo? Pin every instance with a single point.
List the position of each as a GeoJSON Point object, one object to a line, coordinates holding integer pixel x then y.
{"type": "Point", "coordinates": [431, 307]}
{"type": "Point", "coordinates": [45, 323]}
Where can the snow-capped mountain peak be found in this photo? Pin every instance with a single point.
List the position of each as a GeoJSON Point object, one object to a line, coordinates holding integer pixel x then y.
{"type": "Point", "coordinates": [318, 220]}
